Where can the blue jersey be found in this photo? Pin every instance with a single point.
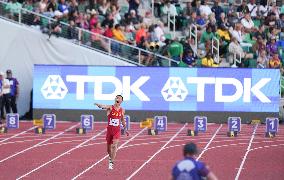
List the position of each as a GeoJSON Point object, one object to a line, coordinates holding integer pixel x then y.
{"type": "Point", "coordinates": [13, 86]}
{"type": "Point", "coordinates": [189, 169]}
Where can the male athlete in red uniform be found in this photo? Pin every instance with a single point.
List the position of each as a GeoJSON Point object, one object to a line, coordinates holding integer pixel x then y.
{"type": "Point", "coordinates": [115, 114]}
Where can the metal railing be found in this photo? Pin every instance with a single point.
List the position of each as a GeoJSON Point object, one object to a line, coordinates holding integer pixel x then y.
{"type": "Point", "coordinates": [193, 34]}
{"type": "Point", "coordinates": [173, 22]}
{"type": "Point", "coordinates": [83, 37]}
{"type": "Point", "coordinates": [215, 49]}
{"type": "Point", "coordinates": [237, 60]}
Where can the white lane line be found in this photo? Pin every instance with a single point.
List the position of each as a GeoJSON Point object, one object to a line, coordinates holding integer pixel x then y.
{"type": "Point", "coordinates": [146, 162]}
{"type": "Point", "coordinates": [3, 140]}
{"type": "Point", "coordinates": [67, 152]}
{"type": "Point", "coordinates": [246, 154]}
{"type": "Point", "coordinates": [121, 146]}
{"type": "Point", "coordinates": [36, 145]}
{"type": "Point", "coordinates": [208, 144]}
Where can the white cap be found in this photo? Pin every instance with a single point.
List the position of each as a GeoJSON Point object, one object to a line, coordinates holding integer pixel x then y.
{"type": "Point", "coordinates": [2, 74]}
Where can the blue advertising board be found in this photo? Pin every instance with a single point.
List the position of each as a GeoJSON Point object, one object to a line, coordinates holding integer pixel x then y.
{"type": "Point", "coordinates": [157, 89]}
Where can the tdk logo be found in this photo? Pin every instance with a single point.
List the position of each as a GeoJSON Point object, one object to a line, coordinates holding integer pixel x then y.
{"type": "Point", "coordinates": [243, 91]}
{"type": "Point", "coordinates": [174, 88]}
{"type": "Point", "coordinates": [54, 88]}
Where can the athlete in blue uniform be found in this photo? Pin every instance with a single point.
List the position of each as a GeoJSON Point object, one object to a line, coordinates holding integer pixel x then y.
{"type": "Point", "coordinates": [189, 168]}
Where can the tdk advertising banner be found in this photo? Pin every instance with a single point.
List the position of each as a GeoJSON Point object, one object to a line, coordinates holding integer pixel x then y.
{"type": "Point", "coordinates": [156, 88]}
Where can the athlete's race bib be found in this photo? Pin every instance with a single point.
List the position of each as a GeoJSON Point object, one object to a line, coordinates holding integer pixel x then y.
{"type": "Point", "coordinates": [114, 122]}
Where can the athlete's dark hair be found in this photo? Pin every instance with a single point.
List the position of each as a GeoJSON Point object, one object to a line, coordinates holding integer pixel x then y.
{"type": "Point", "coordinates": [120, 96]}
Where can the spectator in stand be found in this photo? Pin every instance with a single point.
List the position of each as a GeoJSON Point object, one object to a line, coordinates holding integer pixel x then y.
{"type": "Point", "coordinates": [217, 9]}
{"type": "Point", "coordinates": [119, 36]}
{"type": "Point", "coordinates": [159, 33]}
{"type": "Point", "coordinates": [259, 46]}
{"type": "Point", "coordinates": [206, 36]}
{"type": "Point", "coordinates": [104, 8]}
{"type": "Point", "coordinates": [189, 59]}
{"type": "Point", "coordinates": [108, 31]}
{"type": "Point", "coordinates": [115, 14]}
{"type": "Point", "coordinates": [262, 60]}
{"type": "Point", "coordinates": [175, 52]}
{"type": "Point", "coordinates": [43, 6]}
{"type": "Point", "coordinates": [274, 61]}
{"type": "Point", "coordinates": [14, 87]}
{"type": "Point", "coordinates": [133, 5]}
{"type": "Point", "coordinates": [63, 7]}
{"type": "Point", "coordinates": [208, 61]}
{"type": "Point", "coordinates": [242, 9]}
{"type": "Point", "coordinates": [205, 8]}
{"type": "Point", "coordinates": [141, 32]}
{"type": "Point", "coordinates": [248, 24]}
{"type": "Point", "coordinates": [272, 46]}
{"type": "Point", "coordinates": [93, 19]}
{"type": "Point", "coordinates": [108, 21]}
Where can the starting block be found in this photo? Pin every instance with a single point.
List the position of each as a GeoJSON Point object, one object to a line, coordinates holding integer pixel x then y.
{"type": "Point", "coordinates": [153, 132]}
{"type": "Point", "coordinates": [81, 130]}
{"type": "Point", "coordinates": [232, 134]}
{"type": "Point", "coordinates": [3, 130]}
{"type": "Point", "coordinates": [40, 130]}
{"type": "Point", "coordinates": [192, 133]}
{"type": "Point", "coordinates": [255, 121]}
{"type": "Point", "coordinates": [148, 123]}
{"type": "Point", "coordinates": [270, 134]}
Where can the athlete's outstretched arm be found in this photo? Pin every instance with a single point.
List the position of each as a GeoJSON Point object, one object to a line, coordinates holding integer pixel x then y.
{"type": "Point", "coordinates": [103, 106]}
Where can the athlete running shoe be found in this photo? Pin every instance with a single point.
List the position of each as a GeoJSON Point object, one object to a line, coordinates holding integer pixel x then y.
{"type": "Point", "coordinates": [110, 165]}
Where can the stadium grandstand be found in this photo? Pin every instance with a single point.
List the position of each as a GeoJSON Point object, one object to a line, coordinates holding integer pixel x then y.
{"type": "Point", "coordinates": [186, 32]}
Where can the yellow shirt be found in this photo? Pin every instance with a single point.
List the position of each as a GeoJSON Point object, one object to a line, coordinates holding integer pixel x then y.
{"type": "Point", "coordinates": [208, 62]}
{"type": "Point", "coordinates": [118, 35]}
{"type": "Point", "coordinates": [224, 34]}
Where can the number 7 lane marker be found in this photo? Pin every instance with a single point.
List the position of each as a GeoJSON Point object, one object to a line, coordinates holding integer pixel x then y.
{"type": "Point", "coordinates": [38, 144]}
{"type": "Point", "coordinates": [172, 138]}
{"type": "Point", "coordinates": [246, 154]}
{"type": "Point", "coordinates": [67, 152]}
{"type": "Point", "coordinates": [121, 146]}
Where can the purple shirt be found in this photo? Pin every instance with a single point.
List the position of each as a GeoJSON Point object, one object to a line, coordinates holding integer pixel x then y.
{"type": "Point", "coordinates": [272, 48]}
{"type": "Point", "coordinates": [189, 168]}
{"type": "Point", "coordinates": [13, 86]}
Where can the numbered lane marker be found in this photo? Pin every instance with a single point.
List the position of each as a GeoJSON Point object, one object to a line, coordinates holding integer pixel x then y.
{"type": "Point", "coordinates": [127, 121]}
{"type": "Point", "coordinates": [87, 122]}
{"type": "Point", "coordinates": [12, 121]}
{"type": "Point", "coordinates": [234, 124]}
{"type": "Point", "coordinates": [272, 125]}
{"type": "Point", "coordinates": [161, 123]}
{"type": "Point", "coordinates": [200, 123]}
{"type": "Point", "coordinates": [49, 121]}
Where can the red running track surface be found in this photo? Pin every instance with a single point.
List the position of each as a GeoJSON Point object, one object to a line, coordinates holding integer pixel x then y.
{"type": "Point", "coordinates": [62, 154]}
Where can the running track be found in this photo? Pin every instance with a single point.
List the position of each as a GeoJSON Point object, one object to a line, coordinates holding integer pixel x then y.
{"type": "Point", "coordinates": [62, 154]}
